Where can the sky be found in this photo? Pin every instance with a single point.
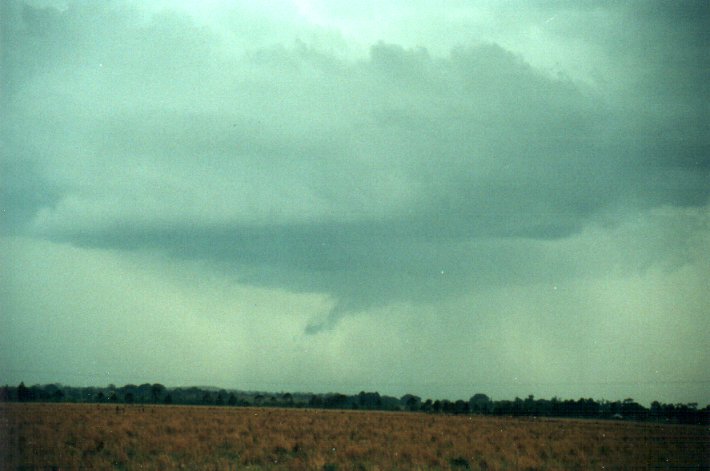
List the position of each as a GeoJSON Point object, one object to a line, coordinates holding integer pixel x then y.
{"type": "Point", "coordinates": [430, 197]}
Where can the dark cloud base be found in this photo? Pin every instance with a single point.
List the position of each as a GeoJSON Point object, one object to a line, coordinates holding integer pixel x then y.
{"type": "Point", "coordinates": [414, 161]}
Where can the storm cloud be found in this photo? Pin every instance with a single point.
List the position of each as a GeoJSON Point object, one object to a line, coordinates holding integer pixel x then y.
{"type": "Point", "coordinates": [368, 164]}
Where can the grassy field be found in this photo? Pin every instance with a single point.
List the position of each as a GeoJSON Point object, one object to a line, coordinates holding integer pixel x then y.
{"type": "Point", "coordinates": [91, 436]}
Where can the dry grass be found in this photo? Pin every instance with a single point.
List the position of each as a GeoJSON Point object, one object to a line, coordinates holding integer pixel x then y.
{"type": "Point", "coordinates": [90, 436]}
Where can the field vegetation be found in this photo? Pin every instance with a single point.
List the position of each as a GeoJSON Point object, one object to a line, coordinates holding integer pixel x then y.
{"type": "Point", "coordinates": [107, 436]}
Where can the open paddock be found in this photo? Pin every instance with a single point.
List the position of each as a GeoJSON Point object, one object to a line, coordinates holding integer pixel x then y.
{"type": "Point", "coordinates": [93, 436]}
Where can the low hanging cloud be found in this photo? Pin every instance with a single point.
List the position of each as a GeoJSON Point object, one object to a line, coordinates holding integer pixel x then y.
{"type": "Point", "coordinates": [399, 176]}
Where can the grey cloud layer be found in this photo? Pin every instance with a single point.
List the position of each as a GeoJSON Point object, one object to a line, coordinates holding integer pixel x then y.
{"type": "Point", "coordinates": [401, 176]}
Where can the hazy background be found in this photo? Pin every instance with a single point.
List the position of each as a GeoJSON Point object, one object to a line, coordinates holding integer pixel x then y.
{"type": "Point", "coordinates": [431, 197]}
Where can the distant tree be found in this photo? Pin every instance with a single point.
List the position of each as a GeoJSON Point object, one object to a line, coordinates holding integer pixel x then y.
{"type": "Point", "coordinates": [168, 399]}
{"type": "Point", "coordinates": [427, 406]}
{"type": "Point", "coordinates": [656, 411]}
{"type": "Point", "coordinates": [369, 400]}
{"type": "Point", "coordinates": [23, 393]}
{"type": "Point", "coordinates": [614, 408]}
{"type": "Point", "coordinates": [206, 398]}
{"type": "Point", "coordinates": [687, 413]}
{"type": "Point", "coordinates": [100, 397]}
{"type": "Point", "coordinates": [411, 402]}
{"type": "Point", "coordinates": [315, 401]}
{"type": "Point", "coordinates": [156, 390]}
{"type": "Point", "coordinates": [479, 403]}
{"type": "Point", "coordinates": [287, 398]}
{"type": "Point", "coordinates": [631, 409]}
{"type": "Point", "coordinates": [504, 407]}
{"type": "Point", "coordinates": [232, 400]}
{"type": "Point", "coordinates": [542, 408]}
{"type": "Point", "coordinates": [447, 407]}
{"type": "Point", "coordinates": [529, 405]}
{"type": "Point", "coordinates": [587, 407]}
{"type": "Point", "coordinates": [336, 401]}
{"type": "Point", "coordinates": [49, 393]}
{"type": "Point", "coordinates": [129, 389]}
{"type": "Point", "coordinates": [460, 407]}
{"type": "Point", "coordinates": [144, 393]}
{"type": "Point", "coordinates": [220, 398]}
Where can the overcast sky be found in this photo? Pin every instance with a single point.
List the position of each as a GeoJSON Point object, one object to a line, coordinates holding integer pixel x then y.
{"type": "Point", "coordinates": [428, 197]}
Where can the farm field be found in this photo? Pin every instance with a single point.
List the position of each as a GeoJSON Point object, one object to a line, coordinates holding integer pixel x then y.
{"type": "Point", "coordinates": [92, 436]}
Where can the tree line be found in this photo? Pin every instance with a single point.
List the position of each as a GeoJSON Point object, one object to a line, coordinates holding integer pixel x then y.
{"type": "Point", "coordinates": [479, 403]}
